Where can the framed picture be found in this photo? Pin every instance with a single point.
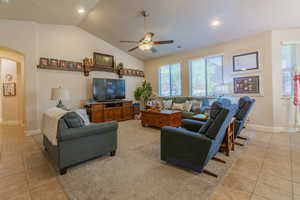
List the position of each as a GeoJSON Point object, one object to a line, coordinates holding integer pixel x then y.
{"type": "Point", "coordinates": [79, 66]}
{"type": "Point", "coordinates": [103, 60]}
{"type": "Point", "coordinates": [44, 61]}
{"type": "Point", "coordinates": [245, 62]}
{"type": "Point", "coordinates": [63, 63]}
{"type": "Point", "coordinates": [9, 89]}
{"type": "Point", "coordinates": [53, 62]}
{"type": "Point", "coordinates": [71, 65]}
{"type": "Point", "coordinates": [246, 85]}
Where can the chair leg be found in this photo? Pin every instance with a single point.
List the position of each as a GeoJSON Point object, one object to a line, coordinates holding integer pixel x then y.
{"type": "Point", "coordinates": [219, 160]}
{"type": "Point", "coordinates": [242, 138]}
{"type": "Point", "coordinates": [63, 171]}
{"type": "Point", "coordinates": [210, 173]}
{"type": "Point", "coordinates": [240, 144]}
{"type": "Point", "coordinates": [113, 153]}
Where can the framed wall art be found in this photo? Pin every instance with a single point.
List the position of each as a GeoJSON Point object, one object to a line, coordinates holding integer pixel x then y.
{"type": "Point", "coordinates": [104, 62]}
{"type": "Point", "coordinates": [246, 85]}
{"type": "Point", "coordinates": [9, 89]}
{"type": "Point", "coordinates": [245, 62]}
{"type": "Point", "coordinates": [54, 62]}
{"type": "Point", "coordinates": [44, 61]}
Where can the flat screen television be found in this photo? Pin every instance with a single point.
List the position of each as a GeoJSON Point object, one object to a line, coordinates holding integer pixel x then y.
{"type": "Point", "coordinates": [108, 89]}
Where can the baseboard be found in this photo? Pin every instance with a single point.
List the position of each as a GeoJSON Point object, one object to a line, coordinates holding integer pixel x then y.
{"type": "Point", "coordinates": [10, 122]}
{"type": "Point", "coordinates": [262, 128]}
{"type": "Point", "coordinates": [33, 132]}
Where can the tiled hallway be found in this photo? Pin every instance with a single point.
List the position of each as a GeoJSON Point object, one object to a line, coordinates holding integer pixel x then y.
{"type": "Point", "coordinates": [267, 169]}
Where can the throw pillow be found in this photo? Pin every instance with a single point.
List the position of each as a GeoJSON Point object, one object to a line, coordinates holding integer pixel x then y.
{"type": "Point", "coordinates": [73, 120]}
{"type": "Point", "coordinates": [188, 106]}
{"type": "Point", "coordinates": [167, 104]}
{"type": "Point", "coordinates": [82, 113]}
{"type": "Point", "coordinates": [196, 105]}
{"type": "Point", "coordinates": [178, 106]}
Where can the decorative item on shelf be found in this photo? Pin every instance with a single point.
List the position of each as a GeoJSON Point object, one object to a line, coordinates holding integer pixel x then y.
{"type": "Point", "coordinates": [245, 62]}
{"type": "Point", "coordinates": [246, 85]}
{"type": "Point", "coordinates": [103, 62]}
{"type": "Point", "coordinates": [120, 70]}
{"type": "Point", "coordinates": [55, 64]}
{"type": "Point", "coordinates": [9, 78]}
{"type": "Point", "coordinates": [9, 89]}
{"type": "Point", "coordinates": [60, 94]}
{"type": "Point", "coordinates": [44, 61]}
{"type": "Point", "coordinates": [88, 63]}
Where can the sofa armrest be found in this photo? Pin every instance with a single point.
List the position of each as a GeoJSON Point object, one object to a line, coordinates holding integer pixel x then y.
{"type": "Point", "coordinates": [92, 129]}
{"type": "Point", "coordinates": [179, 142]}
{"type": "Point", "coordinates": [192, 125]}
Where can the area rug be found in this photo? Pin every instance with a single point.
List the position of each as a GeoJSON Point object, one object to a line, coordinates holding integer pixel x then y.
{"type": "Point", "coordinates": [136, 172]}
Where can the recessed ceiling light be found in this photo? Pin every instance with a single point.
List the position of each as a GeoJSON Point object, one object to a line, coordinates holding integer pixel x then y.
{"type": "Point", "coordinates": [81, 10]}
{"type": "Point", "coordinates": [215, 23]}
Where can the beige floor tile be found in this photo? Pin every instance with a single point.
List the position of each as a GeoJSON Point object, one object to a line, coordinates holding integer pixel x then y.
{"type": "Point", "coordinates": [40, 175]}
{"type": "Point", "coordinates": [23, 196]}
{"type": "Point", "coordinates": [276, 170]}
{"type": "Point", "coordinates": [296, 188]}
{"type": "Point", "coordinates": [223, 193]}
{"type": "Point", "coordinates": [296, 174]}
{"type": "Point", "coordinates": [271, 192]}
{"type": "Point", "coordinates": [296, 197]}
{"type": "Point", "coordinates": [35, 159]}
{"type": "Point", "coordinates": [276, 182]}
{"type": "Point", "coordinates": [237, 181]}
{"type": "Point", "coordinates": [11, 165]}
{"type": "Point", "coordinates": [13, 185]}
{"type": "Point", "coordinates": [256, 197]}
{"type": "Point", "coordinates": [49, 191]}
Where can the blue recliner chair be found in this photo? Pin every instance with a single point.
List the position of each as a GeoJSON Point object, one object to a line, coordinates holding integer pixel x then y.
{"type": "Point", "coordinates": [244, 107]}
{"type": "Point", "coordinates": [193, 149]}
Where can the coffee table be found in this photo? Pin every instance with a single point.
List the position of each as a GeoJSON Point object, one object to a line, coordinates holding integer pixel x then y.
{"type": "Point", "coordinates": [161, 118]}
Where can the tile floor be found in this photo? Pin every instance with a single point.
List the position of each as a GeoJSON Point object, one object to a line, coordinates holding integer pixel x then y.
{"type": "Point", "coordinates": [268, 169]}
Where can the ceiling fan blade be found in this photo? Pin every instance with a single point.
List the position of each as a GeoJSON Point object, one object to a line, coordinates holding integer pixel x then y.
{"type": "Point", "coordinates": [133, 49]}
{"type": "Point", "coordinates": [153, 50]}
{"type": "Point", "coordinates": [129, 41]}
{"type": "Point", "coordinates": [163, 42]}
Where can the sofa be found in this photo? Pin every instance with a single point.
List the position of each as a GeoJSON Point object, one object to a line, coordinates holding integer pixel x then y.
{"type": "Point", "coordinates": [205, 104]}
{"type": "Point", "coordinates": [194, 149]}
{"type": "Point", "coordinates": [77, 142]}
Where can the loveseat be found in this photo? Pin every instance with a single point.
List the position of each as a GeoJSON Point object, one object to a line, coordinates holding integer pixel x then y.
{"type": "Point", "coordinates": [77, 142]}
{"type": "Point", "coordinates": [205, 103]}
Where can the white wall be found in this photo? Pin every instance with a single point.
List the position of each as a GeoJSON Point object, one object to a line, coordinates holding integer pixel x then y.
{"type": "Point", "coordinates": [262, 114]}
{"type": "Point", "coordinates": [61, 42]}
{"type": "Point", "coordinates": [9, 104]}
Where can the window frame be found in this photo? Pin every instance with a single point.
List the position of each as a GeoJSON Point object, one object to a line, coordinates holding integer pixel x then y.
{"type": "Point", "coordinates": [170, 79]}
{"type": "Point", "coordinates": [206, 82]}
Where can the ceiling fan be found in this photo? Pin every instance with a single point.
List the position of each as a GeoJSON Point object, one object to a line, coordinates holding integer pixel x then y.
{"type": "Point", "coordinates": [147, 43]}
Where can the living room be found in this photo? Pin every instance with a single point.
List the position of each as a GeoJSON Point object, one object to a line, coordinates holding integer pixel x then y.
{"type": "Point", "coordinates": [151, 82]}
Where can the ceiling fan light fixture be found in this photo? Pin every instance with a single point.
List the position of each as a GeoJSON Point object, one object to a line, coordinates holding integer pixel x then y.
{"type": "Point", "coordinates": [145, 47]}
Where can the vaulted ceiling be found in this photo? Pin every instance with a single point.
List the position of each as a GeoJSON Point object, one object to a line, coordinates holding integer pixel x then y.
{"type": "Point", "coordinates": [187, 22]}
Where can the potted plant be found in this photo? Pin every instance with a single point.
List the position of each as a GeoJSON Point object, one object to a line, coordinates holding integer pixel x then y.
{"type": "Point", "coordinates": [143, 94]}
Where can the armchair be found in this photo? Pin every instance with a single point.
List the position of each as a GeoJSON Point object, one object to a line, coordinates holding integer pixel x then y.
{"type": "Point", "coordinates": [244, 107]}
{"type": "Point", "coordinates": [75, 145]}
{"type": "Point", "coordinates": [193, 149]}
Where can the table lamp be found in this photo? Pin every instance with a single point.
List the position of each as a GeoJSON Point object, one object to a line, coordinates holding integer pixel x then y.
{"type": "Point", "coordinates": [60, 94]}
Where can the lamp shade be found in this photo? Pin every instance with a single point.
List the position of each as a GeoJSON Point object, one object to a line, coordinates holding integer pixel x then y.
{"type": "Point", "coordinates": [60, 94]}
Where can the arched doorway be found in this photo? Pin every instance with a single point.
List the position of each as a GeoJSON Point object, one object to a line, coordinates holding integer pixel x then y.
{"type": "Point", "coordinates": [12, 101]}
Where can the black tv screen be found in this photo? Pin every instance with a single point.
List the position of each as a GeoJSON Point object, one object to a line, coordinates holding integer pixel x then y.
{"type": "Point", "coordinates": [108, 89]}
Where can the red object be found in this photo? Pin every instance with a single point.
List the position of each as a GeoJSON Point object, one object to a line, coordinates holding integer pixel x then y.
{"type": "Point", "coordinates": [296, 88]}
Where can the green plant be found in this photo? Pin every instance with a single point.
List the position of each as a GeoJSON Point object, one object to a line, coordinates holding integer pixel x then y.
{"type": "Point", "coordinates": [143, 93]}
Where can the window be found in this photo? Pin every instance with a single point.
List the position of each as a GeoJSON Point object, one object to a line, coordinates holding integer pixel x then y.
{"type": "Point", "coordinates": [288, 65]}
{"type": "Point", "coordinates": [206, 74]}
{"type": "Point", "coordinates": [170, 80]}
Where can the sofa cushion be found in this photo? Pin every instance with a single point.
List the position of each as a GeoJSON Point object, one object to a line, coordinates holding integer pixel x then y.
{"type": "Point", "coordinates": [167, 104]}
{"type": "Point", "coordinates": [180, 99]}
{"type": "Point", "coordinates": [178, 106]}
{"type": "Point", "coordinates": [83, 114]}
{"type": "Point", "coordinates": [73, 120]}
{"type": "Point", "coordinates": [187, 115]}
{"type": "Point", "coordinates": [188, 106]}
{"type": "Point", "coordinates": [196, 105]}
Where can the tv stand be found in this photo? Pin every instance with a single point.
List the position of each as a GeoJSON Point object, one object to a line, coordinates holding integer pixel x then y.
{"type": "Point", "coordinates": [119, 110]}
